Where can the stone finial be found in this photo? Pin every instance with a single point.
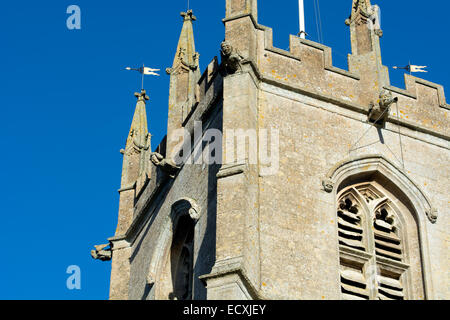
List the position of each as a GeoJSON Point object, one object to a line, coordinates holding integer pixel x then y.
{"type": "Point", "coordinates": [142, 96]}
{"type": "Point", "coordinates": [189, 15]}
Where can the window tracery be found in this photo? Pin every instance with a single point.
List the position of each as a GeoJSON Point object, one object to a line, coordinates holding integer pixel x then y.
{"type": "Point", "coordinates": [373, 261]}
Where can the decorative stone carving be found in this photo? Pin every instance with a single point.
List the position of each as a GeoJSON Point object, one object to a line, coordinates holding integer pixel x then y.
{"type": "Point", "coordinates": [185, 61]}
{"type": "Point", "coordinates": [167, 165]}
{"type": "Point", "coordinates": [328, 185]}
{"type": "Point", "coordinates": [379, 113]}
{"type": "Point", "coordinates": [360, 5]}
{"type": "Point", "coordinates": [169, 71]}
{"type": "Point", "coordinates": [379, 32]}
{"type": "Point", "coordinates": [100, 253]}
{"type": "Point", "coordinates": [432, 214]}
{"type": "Point", "coordinates": [360, 13]}
{"type": "Point", "coordinates": [231, 58]}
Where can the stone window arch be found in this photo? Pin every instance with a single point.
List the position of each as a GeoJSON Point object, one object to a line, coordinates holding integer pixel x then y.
{"type": "Point", "coordinates": [380, 181]}
{"type": "Point", "coordinates": [375, 259]}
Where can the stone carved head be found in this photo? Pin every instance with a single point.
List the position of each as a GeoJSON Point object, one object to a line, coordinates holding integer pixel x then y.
{"type": "Point", "coordinates": [386, 98]}
{"type": "Point", "coordinates": [226, 48]}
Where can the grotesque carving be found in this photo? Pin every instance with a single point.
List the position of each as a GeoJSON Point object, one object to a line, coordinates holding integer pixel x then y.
{"type": "Point", "coordinates": [166, 165]}
{"type": "Point", "coordinates": [100, 254]}
{"type": "Point", "coordinates": [378, 113]}
{"type": "Point", "coordinates": [231, 58]}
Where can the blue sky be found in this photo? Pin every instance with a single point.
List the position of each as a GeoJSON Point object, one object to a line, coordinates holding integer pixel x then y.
{"type": "Point", "coordinates": [66, 105]}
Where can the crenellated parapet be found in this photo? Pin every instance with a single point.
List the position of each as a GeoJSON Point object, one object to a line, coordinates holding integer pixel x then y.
{"type": "Point", "coordinates": [308, 68]}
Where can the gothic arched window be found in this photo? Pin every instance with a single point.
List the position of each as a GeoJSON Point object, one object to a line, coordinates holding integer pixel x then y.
{"type": "Point", "coordinates": [171, 269]}
{"type": "Point", "coordinates": [378, 245]}
{"type": "Point", "coordinates": [181, 257]}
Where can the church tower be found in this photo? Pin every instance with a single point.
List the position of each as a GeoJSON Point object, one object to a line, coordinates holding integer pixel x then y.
{"type": "Point", "coordinates": [327, 183]}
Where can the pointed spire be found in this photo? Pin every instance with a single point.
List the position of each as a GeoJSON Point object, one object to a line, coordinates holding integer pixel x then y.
{"type": "Point", "coordinates": [186, 57]}
{"type": "Point", "coordinates": [136, 157]}
{"type": "Point", "coordinates": [138, 143]}
{"type": "Point", "coordinates": [184, 76]}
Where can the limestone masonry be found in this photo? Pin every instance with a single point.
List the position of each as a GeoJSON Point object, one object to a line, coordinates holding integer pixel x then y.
{"type": "Point", "coordinates": [356, 207]}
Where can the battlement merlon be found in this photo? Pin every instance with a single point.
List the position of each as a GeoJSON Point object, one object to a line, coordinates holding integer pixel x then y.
{"type": "Point", "coordinates": [307, 68]}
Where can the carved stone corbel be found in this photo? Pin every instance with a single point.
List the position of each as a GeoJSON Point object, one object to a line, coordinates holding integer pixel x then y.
{"type": "Point", "coordinates": [379, 32]}
{"type": "Point", "coordinates": [432, 214]}
{"type": "Point", "coordinates": [100, 254]}
{"type": "Point", "coordinates": [327, 185]}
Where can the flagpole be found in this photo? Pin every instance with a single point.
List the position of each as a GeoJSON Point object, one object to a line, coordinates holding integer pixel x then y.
{"type": "Point", "coordinates": [301, 12]}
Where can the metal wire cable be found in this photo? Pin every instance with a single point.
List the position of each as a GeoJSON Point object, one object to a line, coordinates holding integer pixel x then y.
{"type": "Point", "coordinates": [318, 21]}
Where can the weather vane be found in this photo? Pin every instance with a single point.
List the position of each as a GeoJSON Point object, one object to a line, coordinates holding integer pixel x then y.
{"type": "Point", "coordinates": [412, 68]}
{"type": "Point", "coordinates": [144, 71]}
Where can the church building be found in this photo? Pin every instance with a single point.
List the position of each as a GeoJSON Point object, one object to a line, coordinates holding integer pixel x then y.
{"type": "Point", "coordinates": [284, 177]}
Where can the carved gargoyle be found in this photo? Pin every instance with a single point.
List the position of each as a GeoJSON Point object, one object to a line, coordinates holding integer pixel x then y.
{"type": "Point", "coordinates": [379, 112]}
{"type": "Point", "coordinates": [231, 58]}
{"type": "Point", "coordinates": [167, 165]}
{"type": "Point", "coordinates": [100, 254]}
